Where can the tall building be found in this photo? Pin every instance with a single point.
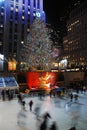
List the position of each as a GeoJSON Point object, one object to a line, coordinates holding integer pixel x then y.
{"type": "Point", "coordinates": [15, 19]}
{"type": "Point", "coordinates": [75, 43]}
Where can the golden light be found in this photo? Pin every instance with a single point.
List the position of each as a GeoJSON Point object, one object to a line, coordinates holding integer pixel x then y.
{"type": "Point", "coordinates": [45, 81]}
{"type": "Point", "coordinates": [12, 65]}
{"type": "Point", "coordinates": [9, 65]}
{"type": "Point", "coordinates": [55, 64]}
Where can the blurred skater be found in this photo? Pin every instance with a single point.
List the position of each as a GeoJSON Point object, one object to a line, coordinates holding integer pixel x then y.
{"type": "Point", "coordinates": [53, 126]}
{"type": "Point", "coordinates": [30, 105]}
{"type": "Point", "coordinates": [73, 128]}
{"type": "Point", "coordinates": [21, 117]}
{"type": "Point", "coordinates": [37, 111]}
{"type": "Point", "coordinates": [44, 124]}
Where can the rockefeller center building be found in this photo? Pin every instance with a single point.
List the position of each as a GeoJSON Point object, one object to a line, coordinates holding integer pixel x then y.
{"type": "Point", "coordinates": [15, 19]}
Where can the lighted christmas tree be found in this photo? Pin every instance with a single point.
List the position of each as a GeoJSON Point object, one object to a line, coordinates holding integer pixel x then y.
{"type": "Point", "coordinates": [37, 52]}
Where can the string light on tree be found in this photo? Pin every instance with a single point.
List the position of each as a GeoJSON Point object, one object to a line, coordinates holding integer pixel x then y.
{"type": "Point", "coordinates": [37, 52]}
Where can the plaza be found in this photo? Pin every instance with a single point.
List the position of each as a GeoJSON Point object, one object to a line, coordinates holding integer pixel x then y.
{"type": "Point", "coordinates": [65, 113]}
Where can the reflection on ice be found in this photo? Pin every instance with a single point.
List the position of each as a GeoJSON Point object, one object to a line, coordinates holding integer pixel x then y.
{"type": "Point", "coordinates": [74, 114]}
{"type": "Point", "coordinates": [21, 117]}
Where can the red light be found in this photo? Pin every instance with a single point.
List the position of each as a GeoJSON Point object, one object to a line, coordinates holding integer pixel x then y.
{"type": "Point", "coordinates": [44, 80]}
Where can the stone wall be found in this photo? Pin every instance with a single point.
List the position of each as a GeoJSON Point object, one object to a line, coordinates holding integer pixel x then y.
{"type": "Point", "coordinates": [73, 76]}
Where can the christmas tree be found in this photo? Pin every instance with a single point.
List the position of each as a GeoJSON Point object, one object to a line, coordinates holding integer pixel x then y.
{"type": "Point", "coordinates": [37, 52]}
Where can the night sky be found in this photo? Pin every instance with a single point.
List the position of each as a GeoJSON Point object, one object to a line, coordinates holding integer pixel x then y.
{"type": "Point", "coordinates": [55, 9]}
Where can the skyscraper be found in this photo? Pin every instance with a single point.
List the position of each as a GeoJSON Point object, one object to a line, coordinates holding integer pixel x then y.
{"type": "Point", "coordinates": [15, 19]}
{"type": "Point", "coordinates": [75, 43]}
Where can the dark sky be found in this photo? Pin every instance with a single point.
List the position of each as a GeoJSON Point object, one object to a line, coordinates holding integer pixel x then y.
{"type": "Point", "coordinates": [55, 9]}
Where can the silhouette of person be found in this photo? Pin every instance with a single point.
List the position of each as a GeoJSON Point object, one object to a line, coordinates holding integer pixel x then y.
{"type": "Point", "coordinates": [46, 116]}
{"type": "Point", "coordinates": [53, 126]}
{"type": "Point", "coordinates": [30, 104]}
{"type": "Point", "coordinates": [71, 97]}
{"type": "Point", "coordinates": [73, 128]}
{"type": "Point", "coordinates": [44, 124]}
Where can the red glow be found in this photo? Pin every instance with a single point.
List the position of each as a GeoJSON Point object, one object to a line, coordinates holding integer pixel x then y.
{"type": "Point", "coordinates": [45, 80]}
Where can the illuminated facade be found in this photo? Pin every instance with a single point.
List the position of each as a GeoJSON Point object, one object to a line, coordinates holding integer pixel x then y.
{"type": "Point", "coordinates": [75, 43]}
{"type": "Point", "coordinates": [15, 19]}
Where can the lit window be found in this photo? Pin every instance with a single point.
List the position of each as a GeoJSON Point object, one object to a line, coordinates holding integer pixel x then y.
{"type": "Point", "coordinates": [2, 13]}
{"type": "Point", "coordinates": [22, 17]}
{"type": "Point", "coordinates": [28, 7]}
{"type": "Point", "coordinates": [16, 10]}
{"type": "Point", "coordinates": [22, 10]}
{"type": "Point", "coordinates": [34, 14]}
{"type": "Point", "coordinates": [12, 8]}
{"type": "Point", "coordinates": [28, 12]}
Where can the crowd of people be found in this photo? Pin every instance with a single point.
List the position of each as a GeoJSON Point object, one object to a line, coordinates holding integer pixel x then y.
{"type": "Point", "coordinates": [42, 119]}
{"type": "Point", "coordinates": [44, 125]}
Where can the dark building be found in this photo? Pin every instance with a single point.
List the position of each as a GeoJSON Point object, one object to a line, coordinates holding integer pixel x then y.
{"type": "Point", "coordinates": [75, 43]}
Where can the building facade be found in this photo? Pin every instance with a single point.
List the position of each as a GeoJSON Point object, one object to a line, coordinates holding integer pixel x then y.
{"type": "Point", "coordinates": [75, 43]}
{"type": "Point", "coordinates": [15, 19]}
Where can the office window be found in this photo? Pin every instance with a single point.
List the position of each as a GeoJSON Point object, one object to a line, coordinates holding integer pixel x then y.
{"type": "Point", "coordinates": [10, 36]}
{"type": "Point", "coordinates": [2, 13]}
{"type": "Point", "coordinates": [23, 1]}
{"type": "Point", "coordinates": [23, 8]}
{"type": "Point", "coordinates": [12, 8]}
{"type": "Point", "coordinates": [22, 28]}
{"type": "Point", "coordinates": [11, 15]}
{"type": "Point", "coordinates": [16, 28]}
{"type": "Point", "coordinates": [28, 19]}
{"type": "Point", "coordinates": [16, 15]}
{"type": "Point", "coordinates": [28, 2]}
{"type": "Point", "coordinates": [17, 0]}
{"type": "Point", "coordinates": [28, 12]}
{"type": "Point", "coordinates": [2, 18]}
{"type": "Point", "coordinates": [15, 37]}
{"type": "Point", "coordinates": [11, 24]}
{"type": "Point", "coordinates": [16, 9]}
{"type": "Point", "coordinates": [15, 47]}
{"type": "Point", "coordinates": [38, 4]}
{"type": "Point", "coordinates": [2, 9]}
{"type": "Point", "coordinates": [22, 17]}
{"type": "Point", "coordinates": [10, 46]}
{"type": "Point", "coordinates": [34, 3]}
{"type": "Point", "coordinates": [10, 31]}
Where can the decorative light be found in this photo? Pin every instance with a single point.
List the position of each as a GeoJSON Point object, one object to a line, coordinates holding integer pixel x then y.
{"type": "Point", "coordinates": [38, 14]}
{"type": "Point", "coordinates": [22, 42]}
